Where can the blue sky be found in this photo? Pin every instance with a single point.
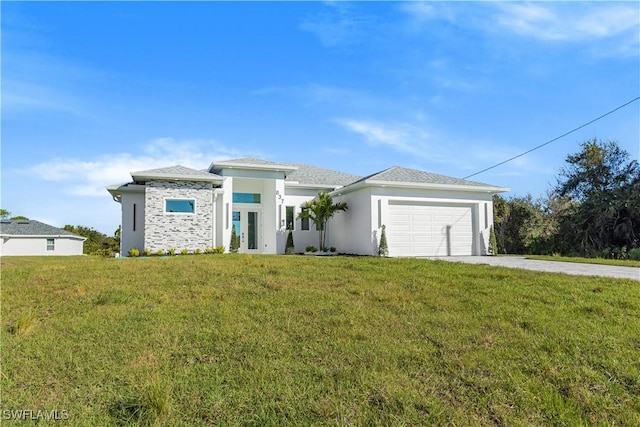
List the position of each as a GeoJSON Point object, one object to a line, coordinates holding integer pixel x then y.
{"type": "Point", "coordinates": [93, 91]}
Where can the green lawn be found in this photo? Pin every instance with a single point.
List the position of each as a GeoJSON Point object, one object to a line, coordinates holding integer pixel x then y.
{"type": "Point", "coordinates": [275, 340]}
{"type": "Point", "coordinates": [581, 260]}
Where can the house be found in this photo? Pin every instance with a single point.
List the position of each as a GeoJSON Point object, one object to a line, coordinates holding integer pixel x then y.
{"type": "Point", "coordinates": [29, 237]}
{"type": "Point", "coordinates": [425, 214]}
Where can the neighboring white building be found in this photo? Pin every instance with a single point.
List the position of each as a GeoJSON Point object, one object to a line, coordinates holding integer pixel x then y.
{"type": "Point", "coordinates": [29, 237]}
{"type": "Point", "coordinates": [425, 214]}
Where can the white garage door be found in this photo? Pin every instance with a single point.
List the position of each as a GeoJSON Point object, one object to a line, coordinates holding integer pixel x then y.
{"type": "Point", "coordinates": [429, 230]}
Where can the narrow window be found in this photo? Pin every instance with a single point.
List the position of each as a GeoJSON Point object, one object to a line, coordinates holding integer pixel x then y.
{"type": "Point", "coordinates": [180, 206]}
{"type": "Point", "coordinates": [379, 213]}
{"type": "Point", "coordinates": [304, 225]}
{"type": "Point", "coordinates": [51, 244]}
{"type": "Point", "coordinates": [486, 215]}
{"type": "Point", "coordinates": [134, 217]}
{"type": "Point", "coordinates": [290, 218]}
{"type": "Point", "coordinates": [226, 216]}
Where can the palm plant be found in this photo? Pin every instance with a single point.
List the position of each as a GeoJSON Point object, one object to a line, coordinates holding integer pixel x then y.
{"type": "Point", "coordinates": [320, 210]}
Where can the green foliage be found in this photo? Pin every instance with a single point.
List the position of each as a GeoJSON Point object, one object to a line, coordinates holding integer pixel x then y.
{"type": "Point", "coordinates": [493, 242]}
{"type": "Point", "coordinates": [634, 254]}
{"type": "Point", "coordinates": [235, 240]}
{"type": "Point", "coordinates": [289, 247]}
{"type": "Point", "coordinates": [219, 249]}
{"type": "Point", "coordinates": [197, 251]}
{"type": "Point", "coordinates": [603, 184]}
{"type": "Point", "coordinates": [320, 210]}
{"type": "Point", "coordinates": [332, 249]}
{"type": "Point", "coordinates": [134, 252]}
{"type": "Point", "coordinates": [97, 243]}
{"type": "Point", "coordinates": [159, 252]}
{"type": "Point", "coordinates": [310, 248]}
{"type": "Point", "coordinates": [171, 251]}
{"type": "Point", "coordinates": [4, 214]}
{"type": "Point", "coordinates": [147, 252]}
{"type": "Point", "coordinates": [209, 250]}
{"type": "Point", "coordinates": [19, 217]}
{"type": "Point", "coordinates": [383, 247]}
{"type": "Point", "coordinates": [184, 251]}
{"type": "Point", "coordinates": [276, 341]}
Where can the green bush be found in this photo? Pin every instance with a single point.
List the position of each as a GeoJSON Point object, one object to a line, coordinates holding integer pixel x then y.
{"type": "Point", "coordinates": [134, 252]}
{"type": "Point", "coordinates": [184, 251]}
{"type": "Point", "coordinates": [383, 249]}
{"type": "Point", "coordinates": [332, 249]}
{"type": "Point", "coordinates": [172, 251]}
{"type": "Point", "coordinates": [219, 249]}
{"type": "Point", "coordinates": [159, 252]}
{"type": "Point", "coordinates": [493, 242]}
{"type": "Point", "coordinates": [634, 254]}
{"type": "Point", "coordinates": [310, 248]}
{"type": "Point", "coordinates": [197, 251]}
{"type": "Point", "coordinates": [147, 252]}
{"type": "Point", "coordinates": [209, 250]}
{"type": "Point", "coordinates": [289, 247]}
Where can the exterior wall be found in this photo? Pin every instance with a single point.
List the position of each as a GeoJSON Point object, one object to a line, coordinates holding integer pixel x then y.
{"type": "Point", "coordinates": [178, 230]}
{"type": "Point", "coordinates": [301, 238]}
{"type": "Point", "coordinates": [25, 245]}
{"type": "Point", "coordinates": [353, 231]}
{"type": "Point", "coordinates": [132, 237]}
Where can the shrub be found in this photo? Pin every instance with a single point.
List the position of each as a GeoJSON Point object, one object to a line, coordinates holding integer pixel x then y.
{"type": "Point", "coordinates": [134, 252]}
{"type": "Point", "coordinates": [235, 240]}
{"type": "Point", "coordinates": [209, 250]}
{"type": "Point", "coordinates": [634, 254]}
{"type": "Point", "coordinates": [159, 252]}
{"type": "Point", "coordinates": [184, 251]}
{"type": "Point", "coordinates": [172, 251]}
{"type": "Point", "coordinates": [147, 252]}
{"type": "Point", "coordinates": [197, 251]}
{"type": "Point", "coordinates": [493, 242]}
{"type": "Point", "coordinates": [383, 249]}
{"type": "Point", "coordinates": [325, 249]}
{"type": "Point", "coordinates": [289, 247]}
{"type": "Point", "coordinates": [310, 248]}
{"type": "Point", "coordinates": [332, 249]}
{"type": "Point", "coordinates": [219, 249]}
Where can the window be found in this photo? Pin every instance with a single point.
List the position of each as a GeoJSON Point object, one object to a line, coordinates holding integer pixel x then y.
{"type": "Point", "coordinates": [51, 244]}
{"type": "Point", "coordinates": [246, 197]}
{"type": "Point", "coordinates": [180, 205]}
{"type": "Point", "coordinates": [305, 221]}
{"type": "Point", "coordinates": [486, 215]}
{"type": "Point", "coordinates": [134, 217]}
{"type": "Point", "coordinates": [290, 220]}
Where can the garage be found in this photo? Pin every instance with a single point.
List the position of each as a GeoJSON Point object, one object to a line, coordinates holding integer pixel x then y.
{"type": "Point", "coordinates": [424, 229]}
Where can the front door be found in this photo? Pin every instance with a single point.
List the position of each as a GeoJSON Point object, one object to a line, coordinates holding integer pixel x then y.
{"type": "Point", "coordinates": [247, 225]}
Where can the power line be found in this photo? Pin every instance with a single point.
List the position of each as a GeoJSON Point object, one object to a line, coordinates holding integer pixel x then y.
{"type": "Point", "coordinates": [554, 139]}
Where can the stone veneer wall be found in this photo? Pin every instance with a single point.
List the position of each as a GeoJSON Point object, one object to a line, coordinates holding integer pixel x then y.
{"type": "Point", "coordinates": [166, 230]}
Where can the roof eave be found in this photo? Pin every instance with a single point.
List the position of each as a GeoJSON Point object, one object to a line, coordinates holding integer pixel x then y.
{"type": "Point", "coordinates": [422, 185]}
{"type": "Point", "coordinates": [252, 166]}
{"type": "Point", "coordinates": [171, 177]}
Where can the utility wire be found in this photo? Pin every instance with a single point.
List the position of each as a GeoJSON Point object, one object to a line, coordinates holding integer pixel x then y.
{"type": "Point", "coordinates": [554, 139]}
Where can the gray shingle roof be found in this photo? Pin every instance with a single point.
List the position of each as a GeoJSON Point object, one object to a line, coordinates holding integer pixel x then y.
{"type": "Point", "coordinates": [313, 175]}
{"type": "Point", "coordinates": [299, 172]}
{"type": "Point", "coordinates": [32, 228]}
{"type": "Point", "coordinates": [414, 176]}
{"type": "Point", "coordinates": [177, 172]}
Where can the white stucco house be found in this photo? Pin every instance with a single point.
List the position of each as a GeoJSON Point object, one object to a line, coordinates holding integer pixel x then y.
{"type": "Point", "coordinates": [29, 237]}
{"type": "Point", "coordinates": [425, 214]}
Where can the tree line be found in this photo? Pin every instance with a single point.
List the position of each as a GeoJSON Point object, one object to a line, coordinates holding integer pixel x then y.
{"type": "Point", "coordinates": [593, 210]}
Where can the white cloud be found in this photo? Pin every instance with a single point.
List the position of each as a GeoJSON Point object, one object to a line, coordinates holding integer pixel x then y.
{"type": "Point", "coordinates": [89, 177]}
{"type": "Point", "coordinates": [402, 137]}
{"type": "Point", "coordinates": [569, 22]}
{"type": "Point", "coordinates": [338, 25]}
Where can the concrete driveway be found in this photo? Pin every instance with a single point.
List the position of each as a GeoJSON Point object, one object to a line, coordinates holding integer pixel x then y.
{"type": "Point", "coordinates": [550, 266]}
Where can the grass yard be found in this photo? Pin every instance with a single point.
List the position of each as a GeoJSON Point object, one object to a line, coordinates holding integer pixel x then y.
{"type": "Point", "coordinates": [276, 340]}
{"type": "Point", "coordinates": [581, 260]}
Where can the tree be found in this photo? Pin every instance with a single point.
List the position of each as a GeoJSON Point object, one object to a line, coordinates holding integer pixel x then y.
{"type": "Point", "coordinates": [518, 223]}
{"type": "Point", "coordinates": [19, 218]}
{"type": "Point", "coordinates": [97, 243]}
{"type": "Point", "coordinates": [234, 245]}
{"type": "Point", "coordinates": [604, 188]}
{"type": "Point", "coordinates": [383, 249]}
{"type": "Point", "coordinates": [320, 210]}
{"type": "Point", "coordinates": [4, 214]}
{"type": "Point", "coordinates": [290, 246]}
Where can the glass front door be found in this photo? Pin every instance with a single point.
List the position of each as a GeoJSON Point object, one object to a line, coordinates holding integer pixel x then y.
{"type": "Point", "coordinates": [246, 225]}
